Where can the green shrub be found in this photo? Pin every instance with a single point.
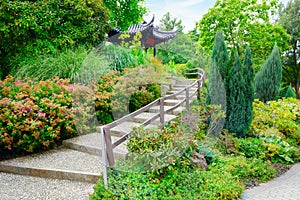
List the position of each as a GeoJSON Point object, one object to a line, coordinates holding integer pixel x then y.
{"type": "Point", "coordinates": [277, 117]}
{"type": "Point", "coordinates": [143, 96]}
{"type": "Point", "coordinates": [252, 148]}
{"type": "Point", "coordinates": [105, 88]}
{"type": "Point", "coordinates": [124, 92]}
{"type": "Point", "coordinates": [178, 183]}
{"type": "Point", "coordinates": [152, 149]}
{"type": "Point", "coordinates": [280, 150]}
{"type": "Point", "coordinates": [246, 169]}
{"type": "Point", "coordinates": [34, 28]}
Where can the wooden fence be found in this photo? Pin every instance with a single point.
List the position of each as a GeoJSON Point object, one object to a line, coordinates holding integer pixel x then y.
{"type": "Point", "coordinates": [108, 146]}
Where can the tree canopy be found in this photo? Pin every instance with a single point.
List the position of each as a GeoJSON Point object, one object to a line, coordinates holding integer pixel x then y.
{"type": "Point", "coordinates": [243, 23]}
{"type": "Point", "coordinates": [168, 23]}
{"type": "Point", "coordinates": [125, 13]}
{"type": "Point", "coordinates": [35, 28]}
{"type": "Point", "coordinates": [290, 20]}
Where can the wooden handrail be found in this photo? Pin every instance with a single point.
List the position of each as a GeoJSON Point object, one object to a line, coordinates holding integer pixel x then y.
{"type": "Point", "coordinates": [105, 130]}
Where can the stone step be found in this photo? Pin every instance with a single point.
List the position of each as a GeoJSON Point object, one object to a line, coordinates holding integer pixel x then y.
{"type": "Point", "coordinates": [177, 111]}
{"type": "Point", "coordinates": [126, 128]}
{"type": "Point", "coordinates": [172, 102]}
{"type": "Point", "coordinates": [60, 163]}
{"type": "Point", "coordinates": [147, 115]}
{"type": "Point", "coordinates": [182, 96]}
{"type": "Point", "coordinates": [183, 92]}
{"type": "Point", "coordinates": [92, 144]}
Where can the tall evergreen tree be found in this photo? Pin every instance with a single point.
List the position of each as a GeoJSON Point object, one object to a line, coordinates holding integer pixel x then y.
{"type": "Point", "coordinates": [217, 77]}
{"type": "Point", "coordinates": [248, 73]}
{"type": "Point", "coordinates": [236, 112]}
{"type": "Point", "coordinates": [219, 64]}
{"type": "Point", "coordinates": [267, 80]}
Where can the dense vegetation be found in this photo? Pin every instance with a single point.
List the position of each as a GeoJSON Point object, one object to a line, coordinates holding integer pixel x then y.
{"type": "Point", "coordinates": [66, 82]}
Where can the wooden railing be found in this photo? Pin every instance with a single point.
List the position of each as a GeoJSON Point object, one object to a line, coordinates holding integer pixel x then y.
{"type": "Point", "coordinates": [108, 146]}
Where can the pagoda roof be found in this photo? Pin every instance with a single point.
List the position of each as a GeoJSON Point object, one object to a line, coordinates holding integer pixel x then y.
{"type": "Point", "coordinates": [151, 36]}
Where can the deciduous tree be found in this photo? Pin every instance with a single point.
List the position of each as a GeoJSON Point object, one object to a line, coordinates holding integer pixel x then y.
{"type": "Point", "coordinates": [290, 20]}
{"type": "Point", "coordinates": [244, 23]}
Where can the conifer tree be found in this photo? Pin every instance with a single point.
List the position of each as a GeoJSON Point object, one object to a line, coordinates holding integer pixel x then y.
{"type": "Point", "coordinates": [236, 113]}
{"type": "Point", "coordinates": [267, 80]}
{"type": "Point", "coordinates": [218, 69]}
{"type": "Point", "coordinates": [217, 77]}
{"type": "Point", "coordinates": [248, 73]}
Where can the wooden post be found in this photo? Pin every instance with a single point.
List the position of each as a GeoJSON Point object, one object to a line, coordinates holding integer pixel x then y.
{"type": "Point", "coordinates": [104, 159]}
{"type": "Point", "coordinates": [198, 89]}
{"type": "Point", "coordinates": [187, 98]}
{"type": "Point", "coordinates": [162, 112]}
{"type": "Point", "coordinates": [109, 149]}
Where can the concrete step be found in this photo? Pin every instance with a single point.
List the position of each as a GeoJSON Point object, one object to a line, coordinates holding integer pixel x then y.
{"type": "Point", "coordinates": [92, 144]}
{"type": "Point", "coordinates": [183, 92]}
{"type": "Point", "coordinates": [172, 102]}
{"type": "Point", "coordinates": [60, 163]}
{"type": "Point", "coordinates": [147, 115]}
{"type": "Point", "coordinates": [181, 97]}
{"type": "Point", "coordinates": [177, 111]}
{"type": "Point", "coordinates": [126, 128]}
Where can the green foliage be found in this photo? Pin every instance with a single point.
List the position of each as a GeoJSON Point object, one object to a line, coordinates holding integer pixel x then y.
{"type": "Point", "coordinates": [252, 148]}
{"type": "Point", "coordinates": [82, 64]}
{"type": "Point", "coordinates": [34, 28]}
{"type": "Point", "coordinates": [79, 65]}
{"type": "Point", "coordinates": [125, 13]}
{"type": "Point", "coordinates": [244, 23]}
{"type": "Point", "coordinates": [167, 23]}
{"type": "Point", "coordinates": [143, 96]}
{"type": "Point", "coordinates": [105, 88]}
{"type": "Point", "coordinates": [248, 73]}
{"type": "Point", "coordinates": [276, 117]}
{"type": "Point", "coordinates": [119, 58]}
{"type": "Point", "coordinates": [287, 92]}
{"type": "Point", "coordinates": [34, 115]}
{"type": "Point", "coordinates": [182, 50]}
{"type": "Point", "coordinates": [290, 20]}
{"type": "Point", "coordinates": [236, 115]}
{"type": "Point", "coordinates": [119, 93]}
{"type": "Point", "coordinates": [276, 124]}
{"type": "Point", "coordinates": [247, 170]}
{"type": "Point", "coordinates": [218, 76]}
{"type": "Point", "coordinates": [152, 149]}
{"type": "Point", "coordinates": [280, 150]}
{"type": "Point", "coordinates": [177, 183]}
{"type": "Point", "coordinates": [267, 80]}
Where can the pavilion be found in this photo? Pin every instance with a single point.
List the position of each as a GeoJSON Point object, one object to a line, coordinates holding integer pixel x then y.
{"type": "Point", "coordinates": [151, 36]}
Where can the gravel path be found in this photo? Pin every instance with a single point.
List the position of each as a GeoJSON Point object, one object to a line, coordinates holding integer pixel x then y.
{"type": "Point", "coordinates": [17, 187]}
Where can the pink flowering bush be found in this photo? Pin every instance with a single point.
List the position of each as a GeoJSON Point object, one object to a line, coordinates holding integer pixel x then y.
{"type": "Point", "coordinates": [34, 115]}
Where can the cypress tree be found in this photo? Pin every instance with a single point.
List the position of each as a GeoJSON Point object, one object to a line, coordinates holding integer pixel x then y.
{"type": "Point", "coordinates": [218, 71]}
{"type": "Point", "coordinates": [267, 80]}
{"type": "Point", "coordinates": [248, 73]}
{"type": "Point", "coordinates": [218, 77]}
{"type": "Point", "coordinates": [236, 113]}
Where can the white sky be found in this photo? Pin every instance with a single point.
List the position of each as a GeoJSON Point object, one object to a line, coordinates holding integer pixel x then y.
{"type": "Point", "coordinates": [189, 11]}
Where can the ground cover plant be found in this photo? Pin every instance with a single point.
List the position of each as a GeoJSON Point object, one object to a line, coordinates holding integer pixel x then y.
{"type": "Point", "coordinates": [233, 164]}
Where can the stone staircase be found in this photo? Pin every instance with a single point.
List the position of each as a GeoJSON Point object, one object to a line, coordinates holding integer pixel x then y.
{"type": "Point", "coordinates": [79, 158]}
